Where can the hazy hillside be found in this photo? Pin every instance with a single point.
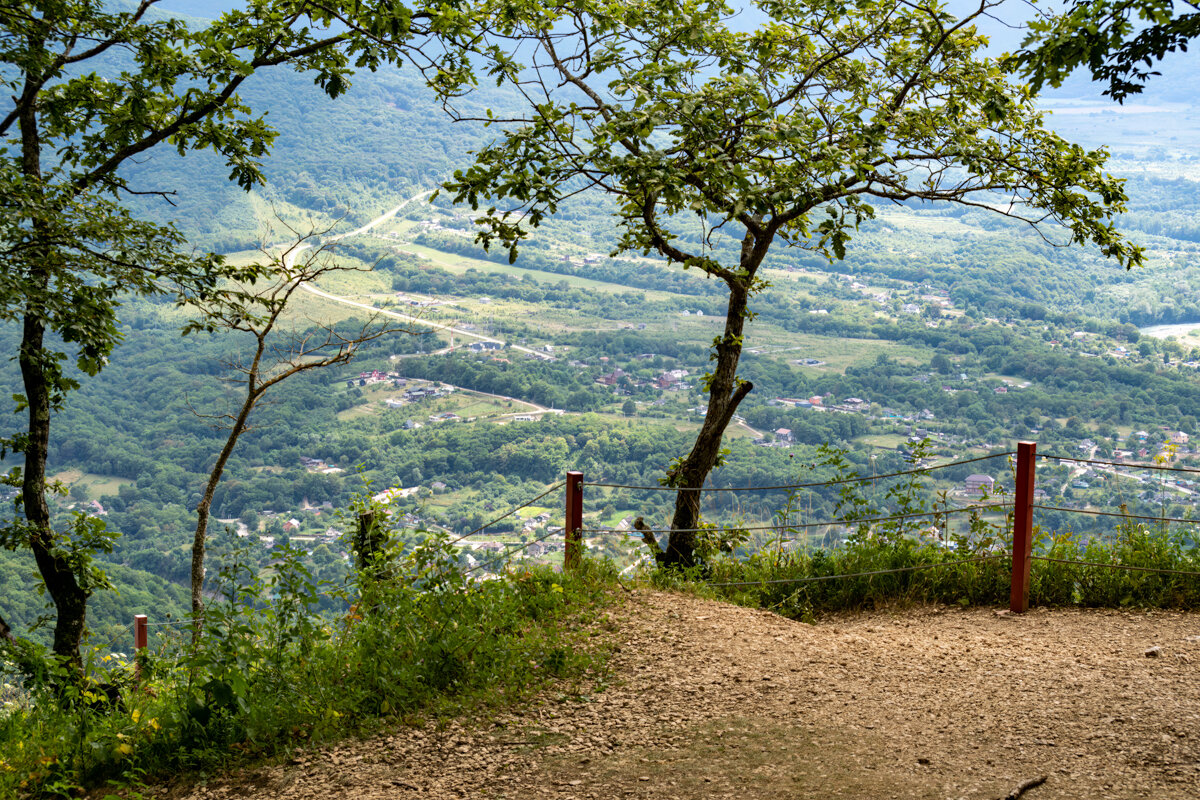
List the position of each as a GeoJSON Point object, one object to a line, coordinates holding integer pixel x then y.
{"type": "Point", "coordinates": [943, 322]}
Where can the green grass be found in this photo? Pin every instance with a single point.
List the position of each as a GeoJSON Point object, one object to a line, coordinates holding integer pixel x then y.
{"type": "Point", "coordinates": [458, 264]}
{"type": "Point", "coordinates": [736, 431]}
{"type": "Point", "coordinates": [917, 223]}
{"type": "Point", "coordinates": [358, 412]}
{"type": "Point", "coordinates": [96, 485]}
{"type": "Point", "coordinates": [308, 668]}
{"type": "Point", "coordinates": [837, 352]}
{"type": "Point", "coordinates": [465, 404]}
{"type": "Point", "coordinates": [783, 582]}
{"type": "Point", "coordinates": [356, 284]}
{"type": "Point", "coordinates": [885, 441]}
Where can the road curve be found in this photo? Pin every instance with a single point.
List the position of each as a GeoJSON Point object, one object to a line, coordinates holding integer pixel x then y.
{"type": "Point", "coordinates": [289, 258]}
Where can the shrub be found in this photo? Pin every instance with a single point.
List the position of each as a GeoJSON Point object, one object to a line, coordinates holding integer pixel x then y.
{"type": "Point", "coordinates": [412, 632]}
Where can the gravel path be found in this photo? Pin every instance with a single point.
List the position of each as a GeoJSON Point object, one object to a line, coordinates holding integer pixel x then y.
{"type": "Point", "coordinates": [707, 700]}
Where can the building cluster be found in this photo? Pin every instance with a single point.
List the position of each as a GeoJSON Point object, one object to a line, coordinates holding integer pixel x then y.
{"type": "Point", "coordinates": [417, 393]}
{"type": "Point", "coordinates": [673, 380]}
{"type": "Point", "coordinates": [319, 465]}
{"type": "Point", "coordinates": [373, 377]}
{"type": "Point", "coordinates": [825, 402]}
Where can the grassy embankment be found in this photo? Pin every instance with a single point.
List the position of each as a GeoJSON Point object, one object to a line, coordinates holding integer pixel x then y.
{"type": "Point", "coordinates": [412, 637]}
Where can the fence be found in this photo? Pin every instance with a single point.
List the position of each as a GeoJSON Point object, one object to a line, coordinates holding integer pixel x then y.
{"type": "Point", "coordinates": [1022, 514]}
{"type": "Point", "coordinates": [366, 542]}
{"type": "Point", "coordinates": [1022, 510]}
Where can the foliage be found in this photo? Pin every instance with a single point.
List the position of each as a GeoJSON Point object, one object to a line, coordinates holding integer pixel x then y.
{"type": "Point", "coordinates": [1136, 545]}
{"type": "Point", "coordinates": [968, 567]}
{"type": "Point", "coordinates": [1119, 41]}
{"type": "Point", "coordinates": [277, 355]}
{"type": "Point", "coordinates": [801, 584]}
{"type": "Point", "coordinates": [89, 89]}
{"type": "Point", "coordinates": [412, 635]}
{"type": "Point", "coordinates": [784, 135]}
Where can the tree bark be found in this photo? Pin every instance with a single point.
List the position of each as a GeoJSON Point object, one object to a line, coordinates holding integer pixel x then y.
{"type": "Point", "coordinates": [205, 507]}
{"type": "Point", "coordinates": [69, 597]}
{"type": "Point", "coordinates": [725, 393]}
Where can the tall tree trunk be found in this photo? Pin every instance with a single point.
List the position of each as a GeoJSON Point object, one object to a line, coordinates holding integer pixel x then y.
{"type": "Point", "coordinates": [724, 395]}
{"type": "Point", "coordinates": [70, 599]}
{"type": "Point", "coordinates": [39, 376]}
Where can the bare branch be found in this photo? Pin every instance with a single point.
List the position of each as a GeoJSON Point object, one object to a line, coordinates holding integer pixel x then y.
{"type": "Point", "coordinates": [277, 354]}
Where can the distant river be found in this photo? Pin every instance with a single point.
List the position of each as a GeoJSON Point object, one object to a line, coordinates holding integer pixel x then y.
{"type": "Point", "coordinates": [1163, 331]}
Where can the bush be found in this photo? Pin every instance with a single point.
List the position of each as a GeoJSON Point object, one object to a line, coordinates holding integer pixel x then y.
{"type": "Point", "coordinates": [413, 632]}
{"type": "Point", "coordinates": [801, 585]}
{"type": "Point", "coordinates": [973, 568]}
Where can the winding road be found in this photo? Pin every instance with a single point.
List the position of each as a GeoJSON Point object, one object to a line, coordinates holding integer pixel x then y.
{"type": "Point", "coordinates": [289, 258]}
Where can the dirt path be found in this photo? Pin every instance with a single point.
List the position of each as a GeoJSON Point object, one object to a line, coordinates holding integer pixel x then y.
{"type": "Point", "coordinates": [706, 700]}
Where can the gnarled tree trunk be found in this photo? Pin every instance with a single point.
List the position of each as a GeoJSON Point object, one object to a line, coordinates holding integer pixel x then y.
{"type": "Point", "coordinates": [70, 598]}
{"type": "Point", "coordinates": [726, 392]}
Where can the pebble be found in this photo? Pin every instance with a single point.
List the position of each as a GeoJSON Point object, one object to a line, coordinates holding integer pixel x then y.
{"type": "Point", "coordinates": [940, 705]}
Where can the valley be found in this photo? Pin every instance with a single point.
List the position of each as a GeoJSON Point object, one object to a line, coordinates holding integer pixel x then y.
{"type": "Point", "coordinates": [942, 324]}
{"type": "Point", "coordinates": [499, 384]}
{"type": "Point", "coordinates": [532, 371]}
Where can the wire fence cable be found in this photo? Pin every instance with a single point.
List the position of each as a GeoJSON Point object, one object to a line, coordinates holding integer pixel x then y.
{"type": "Point", "coordinates": [793, 526]}
{"type": "Point", "coordinates": [508, 554]}
{"type": "Point", "coordinates": [1129, 567]}
{"type": "Point", "coordinates": [1117, 514]}
{"type": "Point", "coordinates": [862, 479]}
{"type": "Point", "coordinates": [509, 513]}
{"type": "Point", "coordinates": [1159, 467]}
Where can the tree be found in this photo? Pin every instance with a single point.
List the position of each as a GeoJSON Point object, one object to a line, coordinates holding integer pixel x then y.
{"type": "Point", "coordinates": [87, 90]}
{"type": "Point", "coordinates": [718, 145]}
{"type": "Point", "coordinates": [260, 314]}
{"type": "Point", "coordinates": [629, 408]}
{"type": "Point", "coordinates": [1119, 41]}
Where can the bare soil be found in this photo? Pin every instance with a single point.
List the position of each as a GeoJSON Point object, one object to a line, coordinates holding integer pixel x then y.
{"type": "Point", "coordinates": [708, 700]}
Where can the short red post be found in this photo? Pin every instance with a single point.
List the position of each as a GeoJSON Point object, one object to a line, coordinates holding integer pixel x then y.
{"type": "Point", "coordinates": [1023, 527]}
{"type": "Point", "coordinates": [574, 521]}
{"type": "Point", "coordinates": [139, 644]}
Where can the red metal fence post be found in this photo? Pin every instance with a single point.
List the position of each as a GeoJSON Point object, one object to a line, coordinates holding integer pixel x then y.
{"type": "Point", "coordinates": [1023, 527]}
{"type": "Point", "coordinates": [574, 521]}
{"type": "Point", "coordinates": [139, 644]}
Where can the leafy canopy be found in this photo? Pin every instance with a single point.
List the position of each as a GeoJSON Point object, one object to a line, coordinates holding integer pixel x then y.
{"type": "Point", "coordinates": [786, 132]}
{"type": "Point", "coordinates": [1119, 41]}
{"type": "Point", "coordinates": [92, 85]}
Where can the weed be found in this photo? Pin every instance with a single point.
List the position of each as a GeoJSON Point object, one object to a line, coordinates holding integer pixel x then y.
{"type": "Point", "coordinates": [411, 632]}
{"type": "Point", "coordinates": [898, 561]}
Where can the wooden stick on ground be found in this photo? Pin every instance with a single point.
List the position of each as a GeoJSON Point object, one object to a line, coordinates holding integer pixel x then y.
{"type": "Point", "coordinates": [1032, 783]}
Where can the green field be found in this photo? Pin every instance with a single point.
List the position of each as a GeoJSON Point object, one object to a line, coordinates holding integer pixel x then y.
{"type": "Point", "coordinates": [883, 441]}
{"type": "Point", "coordinates": [96, 486]}
{"type": "Point", "coordinates": [837, 353]}
{"type": "Point", "coordinates": [458, 264]}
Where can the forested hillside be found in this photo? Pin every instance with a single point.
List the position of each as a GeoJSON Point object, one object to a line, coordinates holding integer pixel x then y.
{"type": "Point", "coordinates": [949, 324]}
